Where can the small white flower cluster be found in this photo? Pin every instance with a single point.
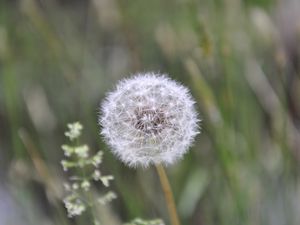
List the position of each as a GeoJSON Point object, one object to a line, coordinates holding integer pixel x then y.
{"type": "Point", "coordinates": [139, 221]}
{"type": "Point", "coordinates": [149, 119]}
{"type": "Point", "coordinates": [78, 158]}
{"type": "Point", "coordinates": [108, 197]}
{"type": "Point", "coordinates": [74, 206]}
{"type": "Point", "coordinates": [74, 130]}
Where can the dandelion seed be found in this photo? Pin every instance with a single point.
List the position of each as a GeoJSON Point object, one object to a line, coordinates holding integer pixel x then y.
{"type": "Point", "coordinates": [149, 119]}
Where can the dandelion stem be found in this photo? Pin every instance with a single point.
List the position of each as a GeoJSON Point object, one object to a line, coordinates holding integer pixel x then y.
{"type": "Point", "coordinates": [168, 194]}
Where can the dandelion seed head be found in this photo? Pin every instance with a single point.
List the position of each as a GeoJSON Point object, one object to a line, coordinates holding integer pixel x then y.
{"type": "Point", "coordinates": [149, 119]}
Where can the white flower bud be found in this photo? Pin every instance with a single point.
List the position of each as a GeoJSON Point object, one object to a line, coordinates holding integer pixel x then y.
{"type": "Point", "coordinates": [106, 179]}
{"type": "Point", "coordinates": [96, 175]}
{"type": "Point", "coordinates": [74, 130]}
{"type": "Point", "coordinates": [85, 185]}
{"type": "Point", "coordinates": [82, 151]}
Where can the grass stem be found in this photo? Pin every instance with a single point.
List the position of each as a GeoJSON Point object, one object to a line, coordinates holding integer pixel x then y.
{"type": "Point", "coordinates": [168, 194]}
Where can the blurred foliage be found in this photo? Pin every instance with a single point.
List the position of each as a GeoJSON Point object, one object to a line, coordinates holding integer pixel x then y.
{"type": "Point", "coordinates": [239, 58]}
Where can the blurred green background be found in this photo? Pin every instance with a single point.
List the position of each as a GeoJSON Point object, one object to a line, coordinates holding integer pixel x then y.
{"type": "Point", "coordinates": [239, 58]}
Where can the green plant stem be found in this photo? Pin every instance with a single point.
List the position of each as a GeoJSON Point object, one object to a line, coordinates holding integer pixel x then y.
{"type": "Point", "coordinates": [90, 199]}
{"type": "Point", "coordinates": [168, 194]}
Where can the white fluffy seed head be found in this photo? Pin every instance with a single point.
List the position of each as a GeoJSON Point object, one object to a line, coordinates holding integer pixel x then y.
{"type": "Point", "coordinates": [149, 119]}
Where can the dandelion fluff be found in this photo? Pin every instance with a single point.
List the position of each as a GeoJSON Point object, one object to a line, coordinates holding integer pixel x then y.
{"type": "Point", "coordinates": [149, 119]}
